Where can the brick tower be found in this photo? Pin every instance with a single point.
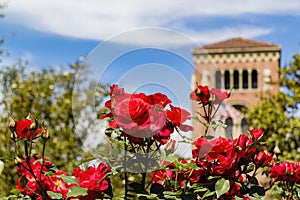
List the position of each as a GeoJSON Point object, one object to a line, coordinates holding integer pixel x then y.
{"type": "Point", "coordinates": [247, 66]}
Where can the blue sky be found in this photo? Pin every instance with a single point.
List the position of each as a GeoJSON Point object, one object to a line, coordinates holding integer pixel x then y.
{"type": "Point", "coordinates": [57, 33]}
{"type": "Point", "coordinates": [51, 32]}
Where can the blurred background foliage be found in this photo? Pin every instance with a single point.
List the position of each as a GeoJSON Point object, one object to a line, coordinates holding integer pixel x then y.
{"type": "Point", "coordinates": [277, 114]}
{"type": "Point", "coordinates": [47, 96]}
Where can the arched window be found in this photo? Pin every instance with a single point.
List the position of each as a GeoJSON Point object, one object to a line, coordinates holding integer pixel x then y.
{"type": "Point", "coordinates": [254, 78]}
{"type": "Point", "coordinates": [227, 79]}
{"type": "Point", "coordinates": [244, 125]}
{"type": "Point", "coordinates": [245, 79]}
{"type": "Point", "coordinates": [218, 79]}
{"type": "Point", "coordinates": [236, 80]}
{"type": "Point", "coordinates": [229, 128]}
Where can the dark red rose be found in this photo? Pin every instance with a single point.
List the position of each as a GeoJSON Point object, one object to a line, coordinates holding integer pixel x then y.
{"type": "Point", "coordinates": [242, 141]}
{"type": "Point", "coordinates": [256, 134]}
{"type": "Point", "coordinates": [23, 129]}
{"type": "Point", "coordinates": [163, 135]}
{"type": "Point", "coordinates": [263, 159]}
{"type": "Point", "coordinates": [201, 94]}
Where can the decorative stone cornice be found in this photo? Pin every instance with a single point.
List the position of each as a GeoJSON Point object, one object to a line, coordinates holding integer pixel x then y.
{"type": "Point", "coordinates": [237, 57]}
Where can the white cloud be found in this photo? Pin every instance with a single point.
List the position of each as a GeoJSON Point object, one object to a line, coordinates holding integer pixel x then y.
{"type": "Point", "coordinates": [99, 19]}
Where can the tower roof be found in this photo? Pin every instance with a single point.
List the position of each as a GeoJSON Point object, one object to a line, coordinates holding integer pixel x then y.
{"type": "Point", "coordinates": [237, 44]}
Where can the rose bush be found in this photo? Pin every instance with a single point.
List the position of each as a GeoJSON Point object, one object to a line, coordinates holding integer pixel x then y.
{"type": "Point", "coordinates": [220, 168]}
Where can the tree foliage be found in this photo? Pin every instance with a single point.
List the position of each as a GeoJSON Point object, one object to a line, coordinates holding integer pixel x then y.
{"type": "Point", "coordinates": [46, 95]}
{"type": "Point", "coordinates": [276, 114]}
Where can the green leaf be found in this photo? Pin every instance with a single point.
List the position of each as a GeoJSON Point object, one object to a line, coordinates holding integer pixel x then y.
{"type": "Point", "coordinates": [201, 190]}
{"type": "Point", "coordinates": [68, 179]}
{"type": "Point", "coordinates": [55, 195]}
{"type": "Point", "coordinates": [77, 191]}
{"type": "Point", "coordinates": [147, 196]}
{"type": "Point", "coordinates": [222, 186]}
{"type": "Point", "coordinates": [250, 169]}
{"type": "Point", "coordinates": [15, 191]}
{"type": "Point", "coordinates": [212, 177]}
{"type": "Point", "coordinates": [238, 198]}
{"type": "Point", "coordinates": [208, 194]}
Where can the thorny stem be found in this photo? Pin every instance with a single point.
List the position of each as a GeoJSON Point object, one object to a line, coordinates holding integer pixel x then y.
{"type": "Point", "coordinates": [43, 157]}
{"type": "Point", "coordinates": [39, 182]}
{"type": "Point", "coordinates": [124, 165]}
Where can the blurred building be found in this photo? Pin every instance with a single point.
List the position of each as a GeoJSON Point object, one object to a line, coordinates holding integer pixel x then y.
{"type": "Point", "coordinates": [247, 66]}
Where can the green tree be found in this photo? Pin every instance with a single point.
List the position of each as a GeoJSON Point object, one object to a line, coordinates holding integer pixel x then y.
{"type": "Point", "coordinates": [47, 96]}
{"type": "Point", "coordinates": [276, 114]}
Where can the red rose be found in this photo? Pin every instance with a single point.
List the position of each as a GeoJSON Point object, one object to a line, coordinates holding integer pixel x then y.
{"type": "Point", "coordinates": [23, 129]}
{"type": "Point", "coordinates": [256, 134]}
{"type": "Point", "coordinates": [201, 94]}
{"type": "Point", "coordinates": [243, 141]}
{"type": "Point", "coordinates": [284, 171]}
{"type": "Point", "coordinates": [132, 112]}
{"type": "Point", "coordinates": [203, 147]}
{"type": "Point", "coordinates": [116, 91]}
{"type": "Point", "coordinates": [57, 185]}
{"type": "Point", "coordinates": [177, 116]}
{"type": "Point", "coordinates": [219, 95]}
{"type": "Point", "coordinates": [157, 118]}
{"type": "Point", "coordinates": [32, 188]}
{"type": "Point", "coordinates": [159, 99]}
{"type": "Point", "coordinates": [163, 135]}
{"type": "Point", "coordinates": [160, 176]}
{"type": "Point", "coordinates": [263, 159]}
{"type": "Point", "coordinates": [94, 178]}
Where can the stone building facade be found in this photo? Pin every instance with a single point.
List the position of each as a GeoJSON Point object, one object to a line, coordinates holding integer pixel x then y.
{"type": "Point", "coordinates": [247, 66]}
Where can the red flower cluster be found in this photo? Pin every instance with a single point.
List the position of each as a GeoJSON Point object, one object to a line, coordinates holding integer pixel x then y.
{"type": "Point", "coordinates": [43, 174]}
{"type": "Point", "coordinates": [142, 116]}
{"type": "Point", "coordinates": [286, 171]}
{"type": "Point", "coordinates": [224, 157]}
{"type": "Point", "coordinates": [94, 179]}
{"type": "Point", "coordinates": [228, 159]}
{"type": "Point", "coordinates": [28, 182]}
{"type": "Point", "coordinates": [216, 159]}
{"type": "Point", "coordinates": [204, 95]}
{"type": "Point", "coordinates": [176, 175]}
{"type": "Point", "coordinates": [25, 128]}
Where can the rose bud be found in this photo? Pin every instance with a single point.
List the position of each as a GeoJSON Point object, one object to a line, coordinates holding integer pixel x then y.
{"type": "Point", "coordinates": [17, 161]}
{"type": "Point", "coordinates": [12, 124]}
{"type": "Point", "coordinates": [170, 146]}
{"type": "Point", "coordinates": [45, 133]}
{"type": "Point", "coordinates": [108, 131]}
{"type": "Point", "coordinates": [33, 125]}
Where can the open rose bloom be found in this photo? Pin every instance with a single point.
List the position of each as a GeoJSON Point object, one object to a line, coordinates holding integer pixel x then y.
{"type": "Point", "coordinates": [141, 116]}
